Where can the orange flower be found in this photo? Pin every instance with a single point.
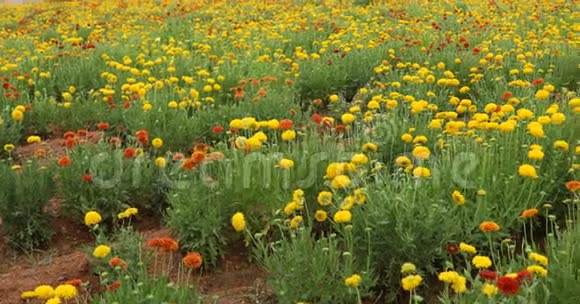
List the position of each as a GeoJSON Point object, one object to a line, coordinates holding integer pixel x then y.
{"type": "Point", "coordinates": [117, 261]}
{"type": "Point", "coordinates": [114, 286]}
{"type": "Point", "coordinates": [198, 157]}
{"type": "Point", "coordinates": [74, 282]}
{"type": "Point", "coordinates": [216, 156]}
{"type": "Point", "coordinates": [529, 213]}
{"type": "Point", "coordinates": [200, 147]}
{"type": "Point", "coordinates": [163, 244]}
{"type": "Point", "coordinates": [64, 161]}
{"type": "Point", "coordinates": [489, 226]}
{"type": "Point", "coordinates": [573, 186]}
{"type": "Point", "coordinates": [286, 124]}
{"type": "Point", "coordinates": [193, 260]}
{"type": "Point", "coordinates": [39, 153]}
{"type": "Point", "coordinates": [189, 164]}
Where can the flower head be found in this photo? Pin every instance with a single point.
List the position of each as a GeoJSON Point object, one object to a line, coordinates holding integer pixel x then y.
{"type": "Point", "coordinates": [408, 268]}
{"type": "Point", "coordinates": [353, 281]}
{"type": "Point", "coordinates": [193, 260]}
{"type": "Point", "coordinates": [527, 171]}
{"type": "Point", "coordinates": [163, 244]}
{"type": "Point", "coordinates": [101, 251]}
{"type": "Point", "coordinates": [342, 216]}
{"type": "Point", "coordinates": [92, 218]}
{"type": "Point", "coordinates": [508, 285]}
{"type": "Point", "coordinates": [467, 248]}
{"type": "Point", "coordinates": [44, 292]}
{"type": "Point", "coordinates": [238, 222]}
{"type": "Point", "coordinates": [529, 213]}
{"type": "Point", "coordinates": [489, 226]}
{"type": "Point", "coordinates": [66, 291]}
{"type": "Point", "coordinates": [411, 282]}
{"type": "Point", "coordinates": [481, 261]}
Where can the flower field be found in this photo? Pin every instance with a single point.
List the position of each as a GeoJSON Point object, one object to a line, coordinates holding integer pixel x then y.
{"type": "Point", "coordinates": [345, 151]}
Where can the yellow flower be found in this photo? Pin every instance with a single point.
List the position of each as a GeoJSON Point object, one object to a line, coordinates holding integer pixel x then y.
{"type": "Point", "coordinates": [407, 137]}
{"type": "Point", "coordinates": [17, 115]}
{"type": "Point", "coordinates": [458, 198]}
{"type": "Point", "coordinates": [421, 152]}
{"type": "Point", "coordinates": [359, 159]}
{"type": "Point", "coordinates": [536, 154]}
{"type": "Point", "coordinates": [296, 221]}
{"type": "Point", "coordinates": [340, 182]}
{"type": "Point", "coordinates": [542, 94]}
{"type": "Point", "coordinates": [9, 147]}
{"type": "Point", "coordinates": [369, 147]}
{"type": "Point", "coordinates": [481, 261]}
{"type": "Point", "coordinates": [324, 198]}
{"type": "Point", "coordinates": [459, 284]}
{"type": "Point", "coordinates": [239, 222]}
{"type": "Point", "coordinates": [561, 145]}
{"type": "Point", "coordinates": [421, 172]}
{"type": "Point", "coordinates": [538, 258]}
{"type": "Point", "coordinates": [342, 216]}
{"type": "Point", "coordinates": [558, 118]}
{"type": "Point", "coordinates": [92, 218]}
{"type": "Point", "coordinates": [44, 292]}
{"type": "Point", "coordinates": [320, 216]}
{"type": "Point", "coordinates": [236, 124]}
{"type": "Point", "coordinates": [33, 139]}
{"type": "Point", "coordinates": [448, 276]}
{"type": "Point", "coordinates": [286, 163]}
{"type": "Point", "coordinates": [411, 282]}
{"type": "Point", "coordinates": [101, 251]}
{"type": "Point", "coordinates": [290, 208]}
{"type": "Point", "coordinates": [288, 135]}
{"type": "Point", "coordinates": [157, 142]}
{"type": "Point", "coordinates": [54, 300]}
{"type": "Point", "coordinates": [527, 171]}
{"type": "Point", "coordinates": [347, 118]}
{"type": "Point", "coordinates": [66, 291]}
{"type": "Point", "coordinates": [467, 248]}
{"type": "Point", "coordinates": [161, 162]}
{"type": "Point", "coordinates": [28, 295]}
{"type": "Point", "coordinates": [403, 161]}
{"type": "Point", "coordinates": [538, 270]}
{"type": "Point", "coordinates": [408, 268]}
{"type": "Point", "coordinates": [333, 98]}
{"type": "Point", "coordinates": [353, 281]}
{"type": "Point", "coordinates": [489, 290]}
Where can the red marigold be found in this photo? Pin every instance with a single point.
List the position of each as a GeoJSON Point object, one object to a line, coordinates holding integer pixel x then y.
{"type": "Point", "coordinates": [163, 244]}
{"type": "Point", "coordinates": [524, 275]}
{"type": "Point", "coordinates": [69, 134]}
{"type": "Point", "coordinates": [117, 261]}
{"type": "Point", "coordinates": [508, 285]}
{"type": "Point", "coordinates": [114, 286]}
{"type": "Point", "coordinates": [487, 274]}
{"type": "Point", "coordinates": [506, 95]}
{"type": "Point", "coordinates": [103, 126]}
{"type": "Point", "coordinates": [142, 137]}
{"type": "Point", "coordinates": [64, 161]}
{"type": "Point", "coordinates": [70, 142]}
{"type": "Point", "coordinates": [189, 164]}
{"type": "Point", "coordinates": [317, 118]}
{"type": "Point", "coordinates": [193, 260]}
{"type": "Point", "coordinates": [538, 82]}
{"type": "Point", "coordinates": [129, 152]}
{"type": "Point", "coordinates": [529, 213]}
{"type": "Point", "coordinates": [340, 129]}
{"type": "Point", "coordinates": [115, 141]}
{"type": "Point", "coordinates": [87, 178]}
{"type": "Point", "coordinates": [198, 157]}
{"type": "Point", "coordinates": [74, 282]}
{"type": "Point", "coordinates": [82, 132]}
{"type": "Point", "coordinates": [452, 248]}
{"type": "Point", "coordinates": [217, 129]}
{"type": "Point", "coordinates": [177, 156]}
{"type": "Point", "coordinates": [573, 186]}
{"type": "Point", "coordinates": [286, 124]}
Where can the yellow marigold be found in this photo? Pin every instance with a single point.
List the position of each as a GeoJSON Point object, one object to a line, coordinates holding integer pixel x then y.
{"type": "Point", "coordinates": [320, 216]}
{"type": "Point", "coordinates": [353, 281]}
{"type": "Point", "coordinates": [489, 290]}
{"type": "Point", "coordinates": [33, 139]}
{"type": "Point", "coordinates": [488, 226]}
{"type": "Point", "coordinates": [54, 300]}
{"type": "Point", "coordinates": [403, 161]}
{"type": "Point", "coordinates": [157, 142]}
{"type": "Point", "coordinates": [296, 221]}
{"type": "Point", "coordinates": [236, 124]}
{"type": "Point", "coordinates": [561, 145]}
{"type": "Point", "coordinates": [9, 147]}
{"type": "Point", "coordinates": [286, 163]}
{"type": "Point", "coordinates": [459, 285]}
{"type": "Point", "coordinates": [288, 135]}
{"type": "Point", "coordinates": [421, 172]}
{"type": "Point", "coordinates": [421, 152]}
{"type": "Point", "coordinates": [370, 147]}
{"type": "Point", "coordinates": [538, 270]}
{"type": "Point", "coordinates": [342, 216]}
{"type": "Point", "coordinates": [161, 162]}
{"type": "Point", "coordinates": [411, 282]}
{"type": "Point", "coordinates": [527, 171]}
{"type": "Point", "coordinates": [542, 94]}
{"type": "Point", "coordinates": [17, 115]}
{"type": "Point", "coordinates": [448, 276]}
{"type": "Point", "coordinates": [538, 258]}
{"type": "Point", "coordinates": [238, 221]}
{"type": "Point", "coordinates": [347, 118]}
{"type": "Point", "coordinates": [458, 198]}
{"type": "Point", "coordinates": [480, 261]}
{"type": "Point", "coordinates": [359, 159]}
{"type": "Point", "coordinates": [66, 291]}
{"type": "Point", "coordinates": [558, 118]}
{"type": "Point", "coordinates": [467, 248]}
{"type": "Point", "coordinates": [92, 218]}
{"type": "Point", "coordinates": [408, 268]}
{"type": "Point", "coordinates": [44, 292]}
{"type": "Point", "coordinates": [324, 198]}
{"type": "Point", "coordinates": [333, 98]}
{"type": "Point", "coordinates": [101, 251]}
{"type": "Point", "coordinates": [536, 154]}
{"type": "Point", "coordinates": [340, 182]}
{"type": "Point", "coordinates": [28, 295]}
{"type": "Point", "coordinates": [407, 137]}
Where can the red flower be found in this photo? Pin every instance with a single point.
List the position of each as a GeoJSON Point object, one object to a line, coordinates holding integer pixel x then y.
{"type": "Point", "coordinates": [573, 186]}
{"type": "Point", "coordinates": [508, 286]}
{"type": "Point", "coordinates": [538, 82]}
{"type": "Point", "coordinates": [317, 118]}
{"type": "Point", "coordinates": [524, 275]}
{"type": "Point", "coordinates": [452, 248]}
{"type": "Point", "coordinates": [129, 152]}
{"type": "Point", "coordinates": [103, 126]}
{"type": "Point", "coordinates": [126, 105]}
{"type": "Point", "coordinates": [488, 274]}
{"type": "Point", "coordinates": [163, 244]}
{"type": "Point", "coordinates": [286, 124]}
{"type": "Point", "coordinates": [114, 286]}
{"type": "Point", "coordinates": [177, 156]}
{"type": "Point", "coordinates": [64, 161]}
{"type": "Point", "coordinates": [70, 142]}
{"type": "Point", "coordinates": [193, 260]}
{"type": "Point", "coordinates": [87, 178]}
{"type": "Point", "coordinates": [217, 129]}
{"type": "Point", "coordinates": [69, 134]}
{"type": "Point", "coordinates": [74, 282]}
{"type": "Point", "coordinates": [506, 95]}
{"type": "Point", "coordinates": [115, 141]}
{"type": "Point", "coordinates": [340, 129]}
{"type": "Point", "coordinates": [142, 136]}
{"type": "Point", "coordinates": [82, 132]}
{"type": "Point", "coordinates": [117, 261]}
